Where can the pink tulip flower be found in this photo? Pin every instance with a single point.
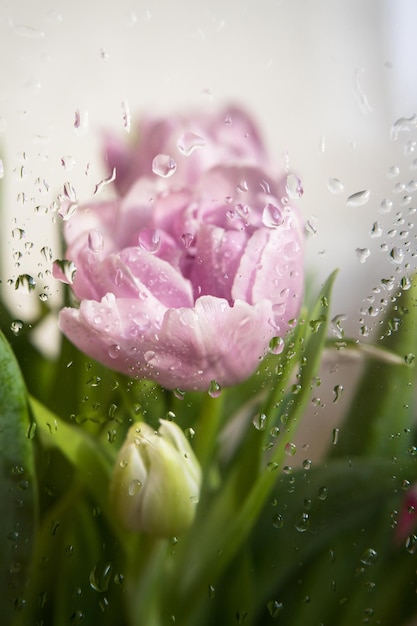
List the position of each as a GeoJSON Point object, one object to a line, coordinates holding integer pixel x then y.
{"type": "Point", "coordinates": [186, 277]}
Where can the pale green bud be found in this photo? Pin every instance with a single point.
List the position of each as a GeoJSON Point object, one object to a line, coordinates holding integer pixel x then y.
{"type": "Point", "coordinates": [156, 481]}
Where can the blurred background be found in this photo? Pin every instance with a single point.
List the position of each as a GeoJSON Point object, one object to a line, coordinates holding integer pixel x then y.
{"type": "Point", "coordinates": [332, 84]}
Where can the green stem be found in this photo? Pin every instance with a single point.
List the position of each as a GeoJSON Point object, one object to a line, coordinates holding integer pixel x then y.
{"type": "Point", "coordinates": [146, 559]}
{"type": "Point", "coordinates": [208, 427]}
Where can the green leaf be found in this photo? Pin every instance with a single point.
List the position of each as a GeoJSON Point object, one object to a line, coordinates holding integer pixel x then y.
{"type": "Point", "coordinates": [313, 536]}
{"type": "Point", "coordinates": [18, 489]}
{"type": "Point", "coordinates": [381, 415]}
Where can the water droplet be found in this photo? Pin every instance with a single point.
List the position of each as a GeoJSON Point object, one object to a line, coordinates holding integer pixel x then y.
{"type": "Point", "coordinates": [259, 421]}
{"type": "Point", "coordinates": [337, 390]}
{"type": "Point", "coordinates": [188, 142]}
{"type": "Point", "coordinates": [1, 169]}
{"type": "Point", "coordinates": [396, 255]}
{"type": "Point", "coordinates": [403, 124]}
{"type": "Point", "coordinates": [376, 230]}
{"type": "Point", "coordinates": [149, 240]}
{"type": "Point", "coordinates": [368, 556]}
{"type": "Point", "coordinates": [276, 345]}
{"type": "Point", "coordinates": [126, 116]}
{"type": "Point", "coordinates": [95, 241]}
{"type": "Point", "coordinates": [105, 181]}
{"type": "Point", "coordinates": [274, 608]}
{"type": "Point", "coordinates": [64, 270]}
{"type": "Point", "coordinates": [362, 254]}
{"type": "Point", "coordinates": [409, 358]}
{"type": "Point", "coordinates": [100, 576]}
{"type": "Point", "coordinates": [307, 463]}
{"type": "Point", "coordinates": [272, 216]}
{"type": "Point", "coordinates": [81, 121]}
{"type": "Point", "coordinates": [188, 239]}
{"type": "Point", "coordinates": [31, 430]}
{"type": "Point", "coordinates": [134, 487]}
{"type": "Point", "coordinates": [179, 393]}
{"type": "Point", "coordinates": [360, 198]}
{"type": "Point", "coordinates": [323, 492]}
{"type": "Point", "coordinates": [277, 520]}
{"type": "Point", "coordinates": [385, 206]}
{"type": "Point", "coordinates": [335, 435]}
{"type": "Point", "coordinates": [25, 283]}
{"type": "Point", "coordinates": [163, 165]}
{"type": "Point", "coordinates": [214, 389]}
{"type": "Point", "coordinates": [302, 522]}
{"type": "Point", "coordinates": [16, 326]}
{"type": "Point", "coordinates": [114, 351]}
{"type": "Point", "coordinates": [290, 449]}
{"type": "Point", "coordinates": [18, 233]}
{"type": "Point", "coordinates": [411, 544]}
{"type": "Point", "coordinates": [334, 185]}
{"type": "Point", "coordinates": [293, 187]}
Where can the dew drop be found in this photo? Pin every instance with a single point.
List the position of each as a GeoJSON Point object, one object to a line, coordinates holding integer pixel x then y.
{"type": "Point", "coordinates": [276, 345]}
{"type": "Point", "coordinates": [25, 283]}
{"type": "Point", "coordinates": [360, 198]}
{"type": "Point", "coordinates": [259, 421]}
{"type": "Point", "coordinates": [411, 544]}
{"type": "Point", "coordinates": [114, 351]}
{"type": "Point", "coordinates": [334, 185]}
{"type": "Point", "coordinates": [290, 449]}
{"type": "Point", "coordinates": [163, 165]}
{"type": "Point", "coordinates": [396, 255]}
{"type": "Point", "coordinates": [149, 240]}
{"type": "Point", "coordinates": [95, 241]}
{"type": "Point", "coordinates": [337, 390]}
{"type": "Point", "coordinates": [188, 239]}
{"type": "Point", "coordinates": [368, 556]}
{"type": "Point", "coordinates": [385, 206]}
{"type": "Point", "coordinates": [335, 435]}
{"type": "Point", "coordinates": [64, 270]}
{"type": "Point", "coordinates": [31, 430]}
{"type": "Point", "coordinates": [302, 522]}
{"type": "Point", "coordinates": [18, 233]}
{"type": "Point", "coordinates": [274, 608]}
{"type": "Point", "coordinates": [1, 169]}
{"type": "Point", "coordinates": [100, 576]}
{"type": "Point", "coordinates": [362, 254]}
{"type": "Point", "coordinates": [16, 326]}
{"type": "Point", "coordinates": [293, 187]}
{"type": "Point", "coordinates": [188, 142]}
{"type": "Point", "coordinates": [214, 389]}
{"type": "Point", "coordinates": [134, 487]}
{"type": "Point", "coordinates": [272, 216]}
{"type": "Point", "coordinates": [376, 230]}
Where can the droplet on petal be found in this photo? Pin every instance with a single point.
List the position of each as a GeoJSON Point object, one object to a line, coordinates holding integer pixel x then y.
{"type": "Point", "coordinates": [188, 142]}
{"type": "Point", "coordinates": [272, 216]}
{"type": "Point", "coordinates": [95, 241]}
{"type": "Point", "coordinates": [214, 389]}
{"type": "Point", "coordinates": [163, 165]}
{"type": "Point", "coordinates": [362, 254]}
{"type": "Point", "coordinates": [149, 239]}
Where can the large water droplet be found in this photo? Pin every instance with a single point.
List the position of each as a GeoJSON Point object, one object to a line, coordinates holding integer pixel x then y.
{"type": "Point", "coordinates": [360, 198]}
{"type": "Point", "coordinates": [188, 142]}
{"type": "Point", "coordinates": [163, 165]}
{"type": "Point", "coordinates": [16, 326]}
{"type": "Point", "coordinates": [396, 255]}
{"type": "Point", "coordinates": [272, 216]}
{"type": "Point", "coordinates": [259, 421]}
{"type": "Point", "coordinates": [274, 608]}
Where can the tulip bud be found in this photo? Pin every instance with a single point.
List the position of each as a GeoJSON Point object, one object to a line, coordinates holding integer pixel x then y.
{"type": "Point", "coordinates": [156, 482]}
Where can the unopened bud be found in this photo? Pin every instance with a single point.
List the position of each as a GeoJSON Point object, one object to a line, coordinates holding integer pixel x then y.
{"type": "Point", "coordinates": [156, 481]}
